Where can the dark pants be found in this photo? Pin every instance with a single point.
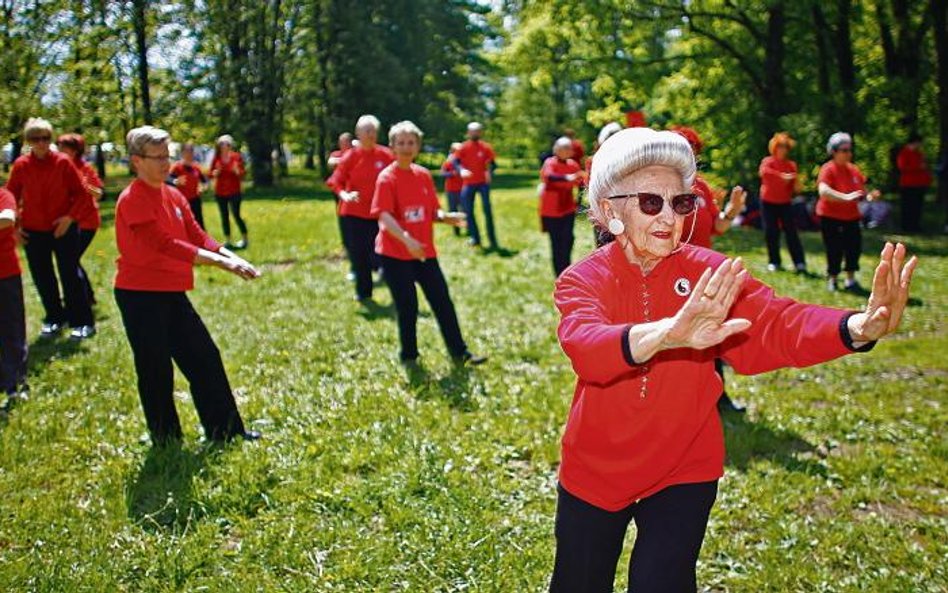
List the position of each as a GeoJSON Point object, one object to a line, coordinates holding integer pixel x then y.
{"type": "Point", "coordinates": [234, 202]}
{"type": "Point", "coordinates": [401, 276]}
{"type": "Point", "coordinates": [163, 327]}
{"type": "Point", "coordinates": [670, 527]}
{"type": "Point", "coordinates": [775, 215]}
{"type": "Point", "coordinates": [467, 202]}
{"type": "Point", "coordinates": [454, 205]}
{"type": "Point", "coordinates": [560, 229]}
{"type": "Point", "coordinates": [358, 235]}
{"type": "Point", "coordinates": [85, 239]}
{"type": "Point", "coordinates": [13, 347]}
{"type": "Point", "coordinates": [841, 237]}
{"type": "Point", "coordinates": [197, 210]}
{"type": "Point", "coordinates": [912, 200]}
{"type": "Point", "coordinates": [40, 248]}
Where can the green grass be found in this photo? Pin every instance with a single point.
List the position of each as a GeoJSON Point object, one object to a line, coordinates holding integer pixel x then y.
{"type": "Point", "coordinates": [367, 481]}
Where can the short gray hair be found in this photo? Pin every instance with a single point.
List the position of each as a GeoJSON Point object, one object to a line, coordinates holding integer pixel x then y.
{"type": "Point", "coordinates": [139, 138]}
{"type": "Point", "coordinates": [475, 126]}
{"type": "Point", "coordinates": [368, 121]}
{"type": "Point", "coordinates": [629, 150]}
{"type": "Point", "coordinates": [404, 127]}
{"type": "Point", "coordinates": [562, 142]}
{"type": "Point", "coordinates": [37, 124]}
{"type": "Point", "coordinates": [836, 140]}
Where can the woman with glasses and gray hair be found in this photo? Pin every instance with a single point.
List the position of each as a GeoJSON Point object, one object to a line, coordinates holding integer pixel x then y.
{"type": "Point", "coordinates": [642, 320]}
{"type": "Point", "coordinates": [841, 186]}
{"type": "Point", "coordinates": [159, 243]}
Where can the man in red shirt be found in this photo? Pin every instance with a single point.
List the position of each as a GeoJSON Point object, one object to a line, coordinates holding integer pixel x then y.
{"type": "Point", "coordinates": [159, 243]}
{"type": "Point", "coordinates": [914, 179]}
{"type": "Point", "coordinates": [13, 347]}
{"type": "Point", "coordinates": [187, 176]}
{"type": "Point", "coordinates": [52, 198]}
{"type": "Point", "coordinates": [560, 174]}
{"type": "Point", "coordinates": [477, 161]}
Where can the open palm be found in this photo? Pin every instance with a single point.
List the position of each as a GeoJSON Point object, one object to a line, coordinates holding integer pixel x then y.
{"type": "Point", "coordinates": [702, 321]}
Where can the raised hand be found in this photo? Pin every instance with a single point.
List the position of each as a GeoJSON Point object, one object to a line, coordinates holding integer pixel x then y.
{"type": "Point", "coordinates": [890, 293]}
{"type": "Point", "coordinates": [702, 321]}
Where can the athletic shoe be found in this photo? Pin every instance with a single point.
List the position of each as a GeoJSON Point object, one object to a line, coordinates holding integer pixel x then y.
{"type": "Point", "coordinates": [774, 268]}
{"type": "Point", "coordinates": [852, 286]}
{"type": "Point", "coordinates": [470, 359]}
{"type": "Point", "coordinates": [726, 404]}
{"type": "Point", "coordinates": [50, 329]}
{"type": "Point", "coordinates": [832, 285]}
{"type": "Point", "coordinates": [799, 268]}
{"type": "Point", "coordinates": [242, 244]}
{"type": "Point", "coordinates": [82, 332]}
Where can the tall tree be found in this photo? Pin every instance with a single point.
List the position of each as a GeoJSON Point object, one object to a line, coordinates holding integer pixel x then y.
{"type": "Point", "coordinates": [140, 28]}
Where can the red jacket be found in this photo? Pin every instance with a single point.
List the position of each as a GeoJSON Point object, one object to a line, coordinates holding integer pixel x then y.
{"type": "Point", "coordinates": [557, 198]}
{"type": "Point", "coordinates": [227, 175]}
{"type": "Point", "coordinates": [92, 220]}
{"type": "Point", "coordinates": [706, 212]}
{"type": "Point", "coordinates": [634, 429]}
{"type": "Point", "coordinates": [774, 189]}
{"type": "Point", "coordinates": [358, 171]}
{"type": "Point", "coordinates": [913, 171]}
{"type": "Point", "coordinates": [47, 189]}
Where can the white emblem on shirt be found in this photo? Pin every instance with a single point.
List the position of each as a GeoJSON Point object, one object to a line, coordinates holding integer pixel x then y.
{"type": "Point", "coordinates": [379, 164]}
{"type": "Point", "coordinates": [415, 214]}
{"type": "Point", "coordinates": [177, 212]}
{"type": "Point", "coordinates": [682, 287]}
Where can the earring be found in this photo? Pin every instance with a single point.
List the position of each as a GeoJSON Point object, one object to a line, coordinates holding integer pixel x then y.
{"type": "Point", "coordinates": [616, 226]}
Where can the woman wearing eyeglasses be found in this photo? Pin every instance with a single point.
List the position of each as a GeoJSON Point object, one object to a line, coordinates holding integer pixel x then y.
{"type": "Point", "coordinates": [841, 186]}
{"type": "Point", "coordinates": [642, 320]}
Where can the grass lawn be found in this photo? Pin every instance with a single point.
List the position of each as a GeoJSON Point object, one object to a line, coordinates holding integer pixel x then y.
{"type": "Point", "coordinates": [836, 480]}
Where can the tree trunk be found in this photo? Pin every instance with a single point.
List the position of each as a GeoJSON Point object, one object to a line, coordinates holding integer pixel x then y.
{"type": "Point", "coordinates": [141, 48]}
{"type": "Point", "coordinates": [939, 10]}
{"type": "Point", "coordinates": [847, 114]}
{"type": "Point", "coordinates": [775, 90]}
{"type": "Point", "coordinates": [823, 84]}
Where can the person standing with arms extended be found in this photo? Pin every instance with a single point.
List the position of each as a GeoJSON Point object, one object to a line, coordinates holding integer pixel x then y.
{"type": "Point", "coordinates": [159, 243]}
{"type": "Point", "coordinates": [560, 175]}
{"type": "Point", "coordinates": [354, 183]}
{"type": "Point", "coordinates": [52, 198]}
{"type": "Point", "coordinates": [453, 183]}
{"type": "Point", "coordinates": [914, 180]}
{"type": "Point", "coordinates": [13, 348]}
{"type": "Point", "coordinates": [477, 162]}
{"type": "Point", "coordinates": [778, 182]}
{"type": "Point", "coordinates": [74, 146]}
{"type": "Point", "coordinates": [227, 171]}
{"type": "Point", "coordinates": [189, 179]}
{"type": "Point", "coordinates": [841, 185]}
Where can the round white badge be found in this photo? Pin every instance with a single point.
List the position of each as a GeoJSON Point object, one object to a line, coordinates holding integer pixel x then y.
{"type": "Point", "coordinates": [682, 287]}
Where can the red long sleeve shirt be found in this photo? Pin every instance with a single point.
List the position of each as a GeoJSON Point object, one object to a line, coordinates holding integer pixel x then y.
{"type": "Point", "coordinates": [9, 262]}
{"type": "Point", "coordinates": [227, 174]}
{"type": "Point", "coordinates": [913, 171]}
{"type": "Point", "coordinates": [706, 212]}
{"type": "Point", "coordinates": [358, 171]}
{"type": "Point", "coordinates": [452, 177]}
{"type": "Point", "coordinates": [92, 219]}
{"type": "Point", "coordinates": [47, 189]}
{"type": "Point", "coordinates": [634, 429]}
{"type": "Point", "coordinates": [557, 198]}
{"type": "Point", "coordinates": [843, 178]}
{"type": "Point", "coordinates": [774, 189]}
{"type": "Point", "coordinates": [192, 175]}
{"type": "Point", "coordinates": [157, 238]}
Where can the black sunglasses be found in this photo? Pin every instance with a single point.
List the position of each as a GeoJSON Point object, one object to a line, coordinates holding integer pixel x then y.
{"type": "Point", "coordinates": [652, 204]}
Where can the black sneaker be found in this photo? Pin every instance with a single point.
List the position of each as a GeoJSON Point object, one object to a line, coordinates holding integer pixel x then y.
{"type": "Point", "coordinates": [470, 359]}
{"type": "Point", "coordinates": [853, 286]}
{"type": "Point", "coordinates": [726, 404]}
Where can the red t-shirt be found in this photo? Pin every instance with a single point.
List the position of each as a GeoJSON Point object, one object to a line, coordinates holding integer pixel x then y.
{"type": "Point", "coordinates": [229, 174]}
{"type": "Point", "coordinates": [634, 429]}
{"type": "Point", "coordinates": [192, 175]}
{"type": "Point", "coordinates": [47, 189]}
{"type": "Point", "coordinates": [92, 220]}
{"type": "Point", "coordinates": [9, 262]}
{"type": "Point", "coordinates": [706, 212]}
{"type": "Point", "coordinates": [476, 156]}
{"type": "Point", "coordinates": [843, 178]}
{"type": "Point", "coordinates": [913, 171]}
{"type": "Point", "coordinates": [557, 198]}
{"type": "Point", "coordinates": [579, 151]}
{"type": "Point", "coordinates": [358, 171]}
{"type": "Point", "coordinates": [157, 239]}
{"type": "Point", "coordinates": [453, 182]}
{"type": "Point", "coordinates": [774, 189]}
{"type": "Point", "coordinates": [409, 196]}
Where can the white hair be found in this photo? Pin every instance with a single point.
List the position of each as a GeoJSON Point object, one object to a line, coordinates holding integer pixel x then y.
{"type": "Point", "coordinates": [225, 139]}
{"type": "Point", "coordinates": [137, 139]}
{"type": "Point", "coordinates": [562, 142]}
{"type": "Point", "coordinates": [629, 150]}
{"type": "Point", "coordinates": [607, 131]}
{"type": "Point", "coordinates": [404, 127]}
{"type": "Point", "coordinates": [475, 126]}
{"type": "Point", "coordinates": [37, 124]}
{"type": "Point", "coordinates": [368, 121]}
{"type": "Point", "coordinates": [836, 140]}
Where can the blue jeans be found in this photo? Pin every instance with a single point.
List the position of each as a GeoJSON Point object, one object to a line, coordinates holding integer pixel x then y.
{"type": "Point", "coordinates": [467, 202]}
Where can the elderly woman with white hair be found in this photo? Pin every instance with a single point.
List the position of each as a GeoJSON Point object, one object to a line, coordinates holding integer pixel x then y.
{"type": "Point", "coordinates": [227, 171]}
{"type": "Point", "coordinates": [560, 175]}
{"type": "Point", "coordinates": [159, 243]}
{"type": "Point", "coordinates": [841, 185]}
{"type": "Point", "coordinates": [642, 320]}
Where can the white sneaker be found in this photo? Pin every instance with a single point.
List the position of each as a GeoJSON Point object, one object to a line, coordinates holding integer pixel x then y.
{"type": "Point", "coordinates": [82, 332]}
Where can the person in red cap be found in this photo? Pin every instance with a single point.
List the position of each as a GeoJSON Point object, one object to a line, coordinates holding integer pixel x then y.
{"type": "Point", "coordinates": [13, 348]}
{"type": "Point", "coordinates": [914, 181]}
{"type": "Point", "coordinates": [52, 197]}
{"type": "Point", "coordinates": [477, 162]}
{"type": "Point", "coordinates": [560, 176]}
{"type": "Point", "coordinates": [187, 176]}
{"type": "Point", "coordinates": [778, 183]}
{"type": "Point", "coordinates": [74, 146]}
{"type": "Point", "coordinates": [641, 321]}
{"type": "Point", "coordinates": [227, 171]}
{"type": "Point", "coordinates": [159, 243]}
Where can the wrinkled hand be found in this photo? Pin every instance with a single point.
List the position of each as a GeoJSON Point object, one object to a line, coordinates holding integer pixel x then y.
{"type": "Point", "coordinates": [890, 293]}
{"type": "Point", "coordinates": [180, 181]}
{"type": "Point", "coordinates": [61, 226]}
{"type": "Point", "coordinates": [241, 267]}
{"type": "Point", "coordinates": [349, 196]}
{"type": "Point", "coordinates": [702, 321]}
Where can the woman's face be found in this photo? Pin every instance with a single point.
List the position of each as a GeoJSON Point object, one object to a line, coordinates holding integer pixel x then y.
{"type": "Point", "coordinates": [406, 146]}
{"type": "Point", "coordinates": [68, 152]}
{"type": "Point", "coordinates": [367, 135]}
{"type": "Point", "coordinates": [781, 151]}
{"type": "Point", "coordinates": [39, 142]}
{"type": "Point", "coordinates": [843, 154]}
{"type": "Point", "coordinates": [563, 152]}
{"type": "Point", "coordinates": [187, 155]}
{"type": "Point", "coordinates": [224, 149]}
{"type": "Point", "coordinates": [650, 236]}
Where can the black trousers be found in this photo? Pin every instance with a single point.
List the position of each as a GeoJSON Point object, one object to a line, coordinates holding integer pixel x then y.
{"type": "Point", "coordinates": [401, 276]}
{"type": "Point", "coordinates": [912, 201]}
{"type": "Point", "coordinates": [13, 348]}
{"type": "Point", "coordinates": [85, 239]}
{"type": "Point", "coordinates": [197, 210]}
{"type": "Point", "coordinates": [358, 235]}
{"type": "Point", "coordinates": [163, 327]}
{"type": "Point", "coordinates": [841, 238]}
{"type": "Point", "coordinates": [40, 248]}
{"type": "Point", "coordinates": [234, 203]}
{"type": "Point", "coordinates": [670, 528]}
{"type": "Point", "coordinates": [775, 215]}
{"type": "Point", "coordinates": [560, 229]}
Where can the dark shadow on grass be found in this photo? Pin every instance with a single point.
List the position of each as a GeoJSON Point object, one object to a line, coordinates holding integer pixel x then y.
{"type": "Point", "coordinates": [160, 495]}
{"type": "Point", "coordinates": [372, 311]}
{"type": "Point", "coordinates": [500, 252]}
{"type": "Point", "coordinates": [748, 442]}
{"type": "Point", "coordinates": [454, 388]}
{"type": "Point", "coordinates": [43, 350]}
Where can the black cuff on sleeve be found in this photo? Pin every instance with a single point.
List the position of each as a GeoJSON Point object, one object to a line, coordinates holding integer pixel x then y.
{"type": "Point", "coordinates": [627, 348]}
{"type": "Point", "coordinates": [848, 339]}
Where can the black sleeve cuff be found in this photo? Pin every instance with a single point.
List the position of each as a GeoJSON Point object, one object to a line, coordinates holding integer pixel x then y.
{"type": "Point", "coordinates": [846, 337]}
{"type": "Point", "coordinates": [627, 348]}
